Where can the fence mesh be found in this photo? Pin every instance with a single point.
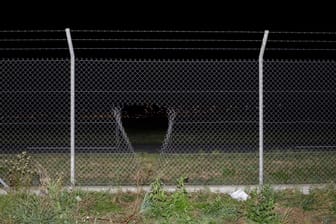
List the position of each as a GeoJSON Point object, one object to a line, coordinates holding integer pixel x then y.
{"type": "Point", "coordinates": [212, 117]}
{"type": "Point", "coordinates": [300, 137]}
{"type": "Point", "coordinates": [35, 112]}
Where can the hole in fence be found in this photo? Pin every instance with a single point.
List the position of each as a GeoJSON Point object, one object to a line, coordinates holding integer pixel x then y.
{"type": "Point", "coordinates": [146, 126]}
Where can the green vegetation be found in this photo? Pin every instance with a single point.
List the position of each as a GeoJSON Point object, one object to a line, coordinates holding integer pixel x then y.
{"type": "Point", "coordinates": [20, 171]}
{"type": "Point", "coordinates": [260, 209]}
{"type": "Point", "coordinates": [56, 205]}
{"type": "Point", "coordinates": [200, 168]}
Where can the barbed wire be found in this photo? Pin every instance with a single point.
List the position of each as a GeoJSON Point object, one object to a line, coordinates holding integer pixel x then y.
{"type": "Point", "coordinates": [33, 49]}
{"type": "Point", "coordinates": [31, 31]}
{"type": "Point", "coordinates": [303, 32]}
{"type": "Point", "coordinates": [31, 40]}
{"type": "Point", "coordinates": [164, 40]}
{"type": "Point", "coordinates": [303, 41]}
{"type": "Point", "coordinates": [300, 49]}
{"type": "Point", "coordinates": [169, 48]}
{"type": "Point", "coordinates": [167, 31]}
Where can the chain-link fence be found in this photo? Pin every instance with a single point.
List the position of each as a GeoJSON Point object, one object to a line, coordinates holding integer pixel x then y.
{"type": "Point", "coordinates": [212, 108]}
{"type": "Point", "coordinates": [300, 121]}
{"type": "Point", "coordinates": [35, 112]}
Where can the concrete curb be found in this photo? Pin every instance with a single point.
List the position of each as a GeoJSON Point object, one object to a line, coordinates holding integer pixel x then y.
{"type": "Point", "coordinates": [304, 188]}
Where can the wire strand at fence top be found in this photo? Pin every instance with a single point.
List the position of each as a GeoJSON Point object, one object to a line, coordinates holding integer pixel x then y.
{"type": "Point", "coordinates": [169, 49]}
{"type": "Point", "coordinates": [134, 48]}
{"type": "Point", "coordinates": [170, 31]}
{"type": "Point", "coordinates": [162, 40]}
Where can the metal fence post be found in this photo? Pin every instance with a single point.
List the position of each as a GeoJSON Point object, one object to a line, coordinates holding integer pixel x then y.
{"type": "Point", "coordinates": [72, 107]}
{"type": "Point", "coordinates": [261, 109]}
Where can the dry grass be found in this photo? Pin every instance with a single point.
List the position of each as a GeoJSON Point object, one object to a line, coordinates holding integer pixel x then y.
{"type": "Point", "coordinates": [200, 168]}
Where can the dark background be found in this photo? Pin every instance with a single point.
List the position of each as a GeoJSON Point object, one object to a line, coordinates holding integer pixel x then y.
{"type": "Point", "coordinates": [278, 16]}
{"type": "Point", "coordinates": [230, 15]}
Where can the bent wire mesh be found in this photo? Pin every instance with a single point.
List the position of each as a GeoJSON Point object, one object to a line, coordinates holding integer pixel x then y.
{"type": "Point", "coordinates": [211, 109]}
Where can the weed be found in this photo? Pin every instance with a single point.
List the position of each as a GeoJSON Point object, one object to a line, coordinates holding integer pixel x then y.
{"type": "Point", "coordinates": [33, 209]}
{"type": "Point", "coordinates": [168, 208]}
{"type": "Point", "coordinates": [19, 171]}
{"type": "Point", "coordinates": [308, 202]}
{"type": "Point", "coordinates": [180, 200]}
{"type": "Point", "coordinates": [260, 208]}
{"type": "Point", "coordinates": [333, 203]}
{"type": "Point", "coordinates": [222, 207]}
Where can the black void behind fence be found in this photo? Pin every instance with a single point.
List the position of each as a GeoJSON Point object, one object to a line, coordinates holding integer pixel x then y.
{"type": "Point", "coordinates": [218, 92]}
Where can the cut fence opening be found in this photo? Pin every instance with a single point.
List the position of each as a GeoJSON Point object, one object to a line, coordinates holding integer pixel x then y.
{"type": "Point", "coordinates": [146, 126]}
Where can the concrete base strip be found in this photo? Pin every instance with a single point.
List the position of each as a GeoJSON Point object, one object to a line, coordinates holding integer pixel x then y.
{"type": "Point", "coordinates": [304, 188]}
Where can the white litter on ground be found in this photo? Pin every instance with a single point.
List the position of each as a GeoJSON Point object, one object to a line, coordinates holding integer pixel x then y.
{"type": "Point", "coordinates": [3, 183]}
{"type": "Point", "coordinates": [239, 195]}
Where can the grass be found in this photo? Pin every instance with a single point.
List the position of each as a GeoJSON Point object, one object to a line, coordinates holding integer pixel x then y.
{"type": "Point", "coordinates": [54, 204]}
{"type": "Point", "coordinates": [286, 167]}
{"type": "Point", "coordinates": [200, 168]}
{"type": "Point", "coordinates": [266, 206]}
